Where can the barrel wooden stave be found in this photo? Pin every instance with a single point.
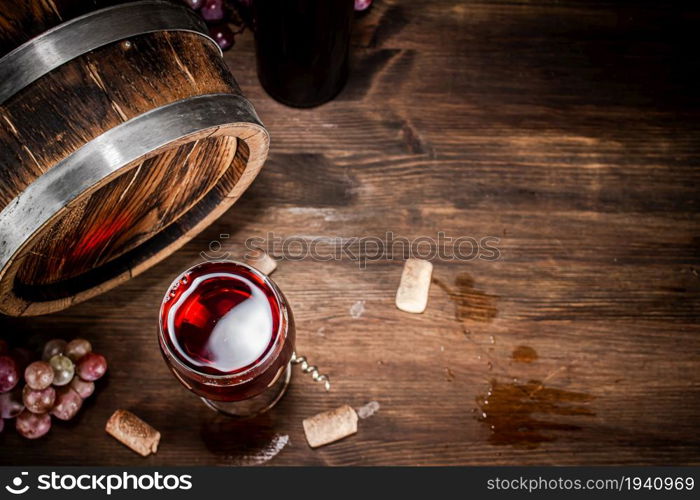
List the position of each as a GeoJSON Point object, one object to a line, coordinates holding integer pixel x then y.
{"type": "Point", "coordinates": [85, 97]}
{"type": "Point", "coordinates": [180, 190]}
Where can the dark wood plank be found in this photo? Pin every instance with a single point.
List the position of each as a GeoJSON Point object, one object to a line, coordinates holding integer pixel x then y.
{"type": "Point", "coordinates": [567, 130]}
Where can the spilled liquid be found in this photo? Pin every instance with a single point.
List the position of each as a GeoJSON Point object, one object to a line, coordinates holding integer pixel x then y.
{"type": "Point", "coordinates": [526, 415]}
{"type": "Point", "coordinates": [521, 415]}
{"type": "Point", "coordinates": [470, 303]}
{"type": "Point", "coordinates": [524, 354]}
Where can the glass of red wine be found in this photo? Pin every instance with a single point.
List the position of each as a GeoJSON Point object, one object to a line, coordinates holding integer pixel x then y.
{"type": "Point", "coordinates": [227, 334]}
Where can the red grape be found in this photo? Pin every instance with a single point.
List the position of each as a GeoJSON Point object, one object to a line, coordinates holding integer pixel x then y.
{"type": "Point", "coordinates": [2, 424]}
{"type": "Point", "coordinates": [68, 402]}
{"type": "Point", "coordinates": [53, 347]}
{"type": "Point", "coordinates": [32, 425]}
{"type": "Point", "coordinates": [77, 348]}
{"type": "Point", "coordinates": [362, 4]}
{"type": "Point", "coordinates": [38, 375]}
{"type": "Point", "coordinates": [223, 35]}
{"type": "Point", "coordinates": [11, 404]}
{"type": "Point", "coordinates": [194, 4]}
{"type": "Point", "coordinates": [38, 401]}
{"type": "Point", "coordinates": [8, 374]}
{"type": "Point", "coordinates": [82, 387]}
{"type": "Point", "coordinates": [212, 10]}
{"type": "Point", "coordinates": [92, 366]}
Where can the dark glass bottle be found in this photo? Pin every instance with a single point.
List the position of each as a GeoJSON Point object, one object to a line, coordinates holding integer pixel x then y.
{"type": "Point", "coordinates": [303, 48]}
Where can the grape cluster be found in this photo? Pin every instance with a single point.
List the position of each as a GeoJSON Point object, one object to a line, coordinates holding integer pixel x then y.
{"type": "Point", "coordinates": [221, 15]}
{"type": "Point", "coordinates": [54, 386]}
{"type": "Point", "coordinates": [225, 19]}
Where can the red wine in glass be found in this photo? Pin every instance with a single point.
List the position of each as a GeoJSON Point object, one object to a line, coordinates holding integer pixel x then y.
{"type": "Point", "coordinates": [227, 334]}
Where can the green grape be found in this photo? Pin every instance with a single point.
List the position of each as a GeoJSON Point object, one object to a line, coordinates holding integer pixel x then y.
{"type": "Point", "coordinates": [39, 375]}
{"type": "Point", "coordinates": [53, 347]}
{"type": "Point", "coordinates": [63, 370]}
{"type": "Point", "coordinates": [77, 348]}
{"type": "Point", "coordinates": [68, 402]}
{"type": "Point", "coordinates": [33, 425]}
{"type": "Point", "coordinates": [38, 401]}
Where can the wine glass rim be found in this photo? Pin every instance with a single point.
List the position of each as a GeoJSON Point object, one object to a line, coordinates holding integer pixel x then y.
{"type": "Point", "coordinates": [282, 327]}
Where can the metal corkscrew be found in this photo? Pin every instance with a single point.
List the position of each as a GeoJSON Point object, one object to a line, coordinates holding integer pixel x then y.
{"type": "Point", "coordinates": [313, 370]}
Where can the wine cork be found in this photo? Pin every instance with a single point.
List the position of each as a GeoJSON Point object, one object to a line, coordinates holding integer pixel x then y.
{"type": "Point", "coordinates": [133, 432]}
{"type": "Point", "coordinates": [262, 262]}
{"type": "Point", "coordinates": [330, 426]}
{"type": "Point", "coordinates": [412, 295]}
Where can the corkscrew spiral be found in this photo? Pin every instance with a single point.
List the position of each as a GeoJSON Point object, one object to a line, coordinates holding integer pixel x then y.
{"type": "Point", "coordinates": [306, 367]}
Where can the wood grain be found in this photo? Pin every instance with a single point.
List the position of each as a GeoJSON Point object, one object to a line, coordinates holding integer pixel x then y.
{"type": "Point", "coordinates": [22, 20]}
{"type": "Point", "coordinates": [57, 105]}
{"type": "Point", "coordinates": [569, 131]}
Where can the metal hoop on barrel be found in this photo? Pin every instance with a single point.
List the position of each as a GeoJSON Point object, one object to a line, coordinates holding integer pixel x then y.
{"type": "Point", "coordinates": [63, 43]}
{"type": "Point", "coordinates": [108, 154]}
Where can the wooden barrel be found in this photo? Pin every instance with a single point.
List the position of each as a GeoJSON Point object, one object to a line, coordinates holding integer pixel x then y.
{"type": "Point", "coordinates": [122, 135]}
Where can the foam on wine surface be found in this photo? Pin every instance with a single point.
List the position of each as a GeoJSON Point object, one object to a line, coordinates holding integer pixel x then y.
{"type": "Point", "coordinates": [220, 322]}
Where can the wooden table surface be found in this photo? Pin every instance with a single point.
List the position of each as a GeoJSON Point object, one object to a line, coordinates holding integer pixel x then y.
{"type": "Point", "coordinates": [567, 130]}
